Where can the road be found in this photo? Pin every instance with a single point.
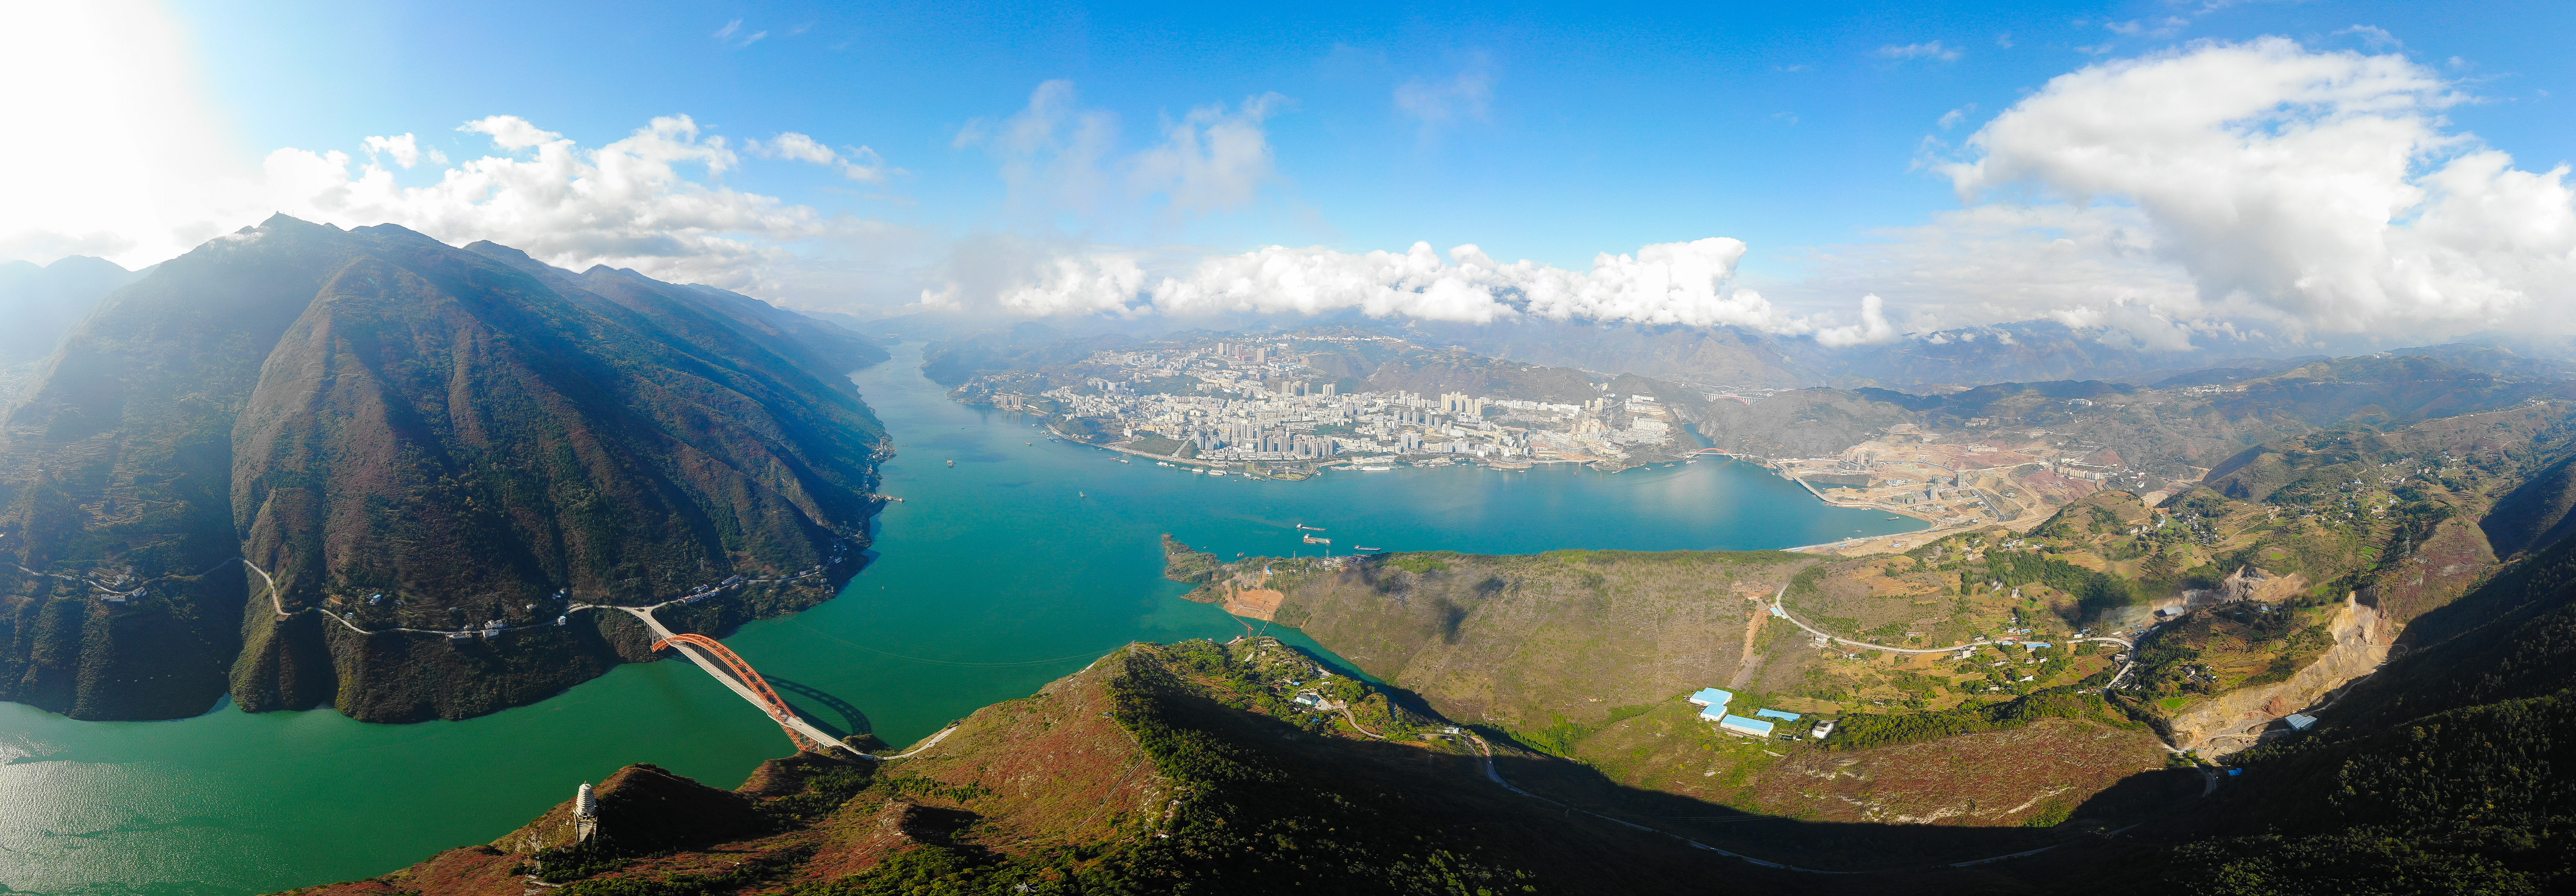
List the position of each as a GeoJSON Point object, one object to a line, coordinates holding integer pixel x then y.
{"type": "Point", "coordinates": [1783, 612]}
{"type": "Point", "coordinates": [660, 633]}
{"type": "Point", "coordinates": [278, 604]}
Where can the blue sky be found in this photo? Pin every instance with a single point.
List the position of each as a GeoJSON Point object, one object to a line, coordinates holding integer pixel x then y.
{"type": "Point", "coordinates": [1541, 132]}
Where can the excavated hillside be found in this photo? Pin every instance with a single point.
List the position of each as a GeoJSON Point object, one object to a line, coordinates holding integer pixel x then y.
{"type": "Point", "coordinates": [295, 463]}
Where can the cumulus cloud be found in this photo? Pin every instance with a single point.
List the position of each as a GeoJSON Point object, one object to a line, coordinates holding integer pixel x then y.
{"type": "Point", "coordinates": [1928, 50]}
{"type": "Point", "coordinates": [1690, 284]}
{"type": "Point", "coordinates": [1872, 328]}
{"type": "Point", "coordinates": [2323, 191]}
{"type": "Point", "coordinates": [632, 202]}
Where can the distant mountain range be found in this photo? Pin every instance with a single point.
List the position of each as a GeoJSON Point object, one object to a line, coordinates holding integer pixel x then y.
{"type": "Point", "coordinates": [248, 470]}
{"type": "Point", "coordinates": [2029, 351]}
{"type": "Point", "coordinates": [42, 303]}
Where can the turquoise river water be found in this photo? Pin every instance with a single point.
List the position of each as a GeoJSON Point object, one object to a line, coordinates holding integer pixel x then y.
{"type": "Point", "coordinates": [1019, 565]}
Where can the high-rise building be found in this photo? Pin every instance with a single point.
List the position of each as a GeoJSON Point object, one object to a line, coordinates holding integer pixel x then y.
{"type": "Point", "coordinates": [1458, 403]}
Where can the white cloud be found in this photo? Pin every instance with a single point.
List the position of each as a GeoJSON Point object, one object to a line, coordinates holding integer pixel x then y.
{"type": "Point", "coordinates": [1873, 327]}
{"type": "Point", "coordinates": [857, 163]}
{"type": "Point", "coordinates": [1929, 50]}
{"type": "Point", "coordinates": [1051, 151]}
{"type": "Point", "coordinates": [2375, 37]}
{"type": "Point", "coordinates": [1060, 157]}
{"type": "Point", "coordinates": [1437, 105]}
{"type": "Point", "coordinates": [2005, 262]}
{"type": "Point", "coordinates": [1952, 118]}
{"type": "Point", "coordinates": [405, 150]}
{"type": "Point", "coordinates": [2321, 191]}
{"type": "Point", "coordinates": [1211, 159]}
{"type": "Point", "coordinates": [510, 132]}
{"type": "Point", "coordinates": [731, 34]}
{"type": "Point", "coordinates": [628, 203]}
{"type": "Point", "coordinates": [1690, 284]}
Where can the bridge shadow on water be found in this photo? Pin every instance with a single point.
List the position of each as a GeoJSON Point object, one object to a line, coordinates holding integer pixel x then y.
{"type": "Point", "coordinates": [852, 720]}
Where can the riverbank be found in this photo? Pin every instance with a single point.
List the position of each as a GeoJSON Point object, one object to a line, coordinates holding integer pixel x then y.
{"type": "Point", "coordinates": [1020, 564]}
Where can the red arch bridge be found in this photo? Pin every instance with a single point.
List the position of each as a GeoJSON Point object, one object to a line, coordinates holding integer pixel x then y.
{"type": "Point", "coordinates": [734, 673]}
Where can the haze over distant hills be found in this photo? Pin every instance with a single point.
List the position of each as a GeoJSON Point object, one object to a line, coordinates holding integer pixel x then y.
{"type": "Point", "coordinates": [407, 435]}
{"type": "Point", "coordinates": [2028, 351]}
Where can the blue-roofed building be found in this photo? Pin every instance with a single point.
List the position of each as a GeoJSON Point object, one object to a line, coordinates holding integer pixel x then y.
{"type": "Point", "coordinates": [1742, 725]}
{"type": "Point", "coordinates": [1776, 714]}
{"type": "Point", "coordinates": [1713, 714]}
{"type": "Point", "coordinates": [1712, 697]}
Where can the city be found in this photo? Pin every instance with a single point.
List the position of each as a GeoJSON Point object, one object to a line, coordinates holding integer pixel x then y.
{"type": "Point", "coordinates": [1229, 404]}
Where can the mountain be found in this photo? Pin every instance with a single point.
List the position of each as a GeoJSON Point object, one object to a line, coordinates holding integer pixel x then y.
{"type": "Point", "coordinates": [2172, 431]}
{"type": "Point", "coordinates": [2443, 773]}
{"type": "Point", "coordinates": [2536, 515]}
{"type": "Point", "coordinates": [294, 463]}
{"type": "Point", "coordinates": [42, 303]}
{"type": "Point", "coordinates": [1158, 769]}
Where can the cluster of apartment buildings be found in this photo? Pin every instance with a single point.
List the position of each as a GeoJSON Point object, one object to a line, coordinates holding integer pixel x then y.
{"type": "Point", "coordinates": [1249, 402]}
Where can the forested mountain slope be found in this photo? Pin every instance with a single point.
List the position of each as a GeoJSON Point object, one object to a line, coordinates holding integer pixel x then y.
{"type": "Point", "coordinates": [407, 435]}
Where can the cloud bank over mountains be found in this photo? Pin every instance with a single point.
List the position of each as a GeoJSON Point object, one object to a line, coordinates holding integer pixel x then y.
{"type": "Point", "coordinates": [2305, 191]}
{"type": "Point", "coordinates": [1689, 284]}
{"type": "Point", "coordinates": [2213, 192]}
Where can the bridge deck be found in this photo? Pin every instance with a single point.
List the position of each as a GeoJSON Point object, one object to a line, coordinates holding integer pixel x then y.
{"type": "Point", "coordinates": [717, 669]}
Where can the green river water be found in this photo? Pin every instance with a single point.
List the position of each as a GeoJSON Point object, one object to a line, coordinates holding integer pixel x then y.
{"type": "Point", "coordinates": [1017, 566]}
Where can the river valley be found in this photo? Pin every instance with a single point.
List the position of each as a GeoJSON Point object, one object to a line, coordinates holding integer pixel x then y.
{"type": "Point", "coordinates": [1019, 563]}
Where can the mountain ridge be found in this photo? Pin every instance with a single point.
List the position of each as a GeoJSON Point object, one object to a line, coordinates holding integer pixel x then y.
{"type": "Point", "coordinates": [401, 434]}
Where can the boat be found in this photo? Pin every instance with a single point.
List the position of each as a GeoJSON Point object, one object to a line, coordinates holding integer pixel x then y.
{"type": "Point", "coordinates": [952, 463]}
{"type": "Point", "coordinates": [1310, 528]}
{"type": "Point", "coordinates": [1162, 463]}
{"type": "Point", "coordinates": [1080, 495]}
{"type": "Point", "coordinates": [1124, 460]}
{"type": "Point", "coordinates": [1362, 547]}
{"type": "Point", "coordinates": [1895, 517]}
{"type": "Point", "coordinates": [1375, 469]}
{"type": "Point", "coordinates": [1313, 540]}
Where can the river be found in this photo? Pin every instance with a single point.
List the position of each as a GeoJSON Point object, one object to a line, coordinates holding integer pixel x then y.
{"type": "Point", "coordinates": [1016, 566]}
